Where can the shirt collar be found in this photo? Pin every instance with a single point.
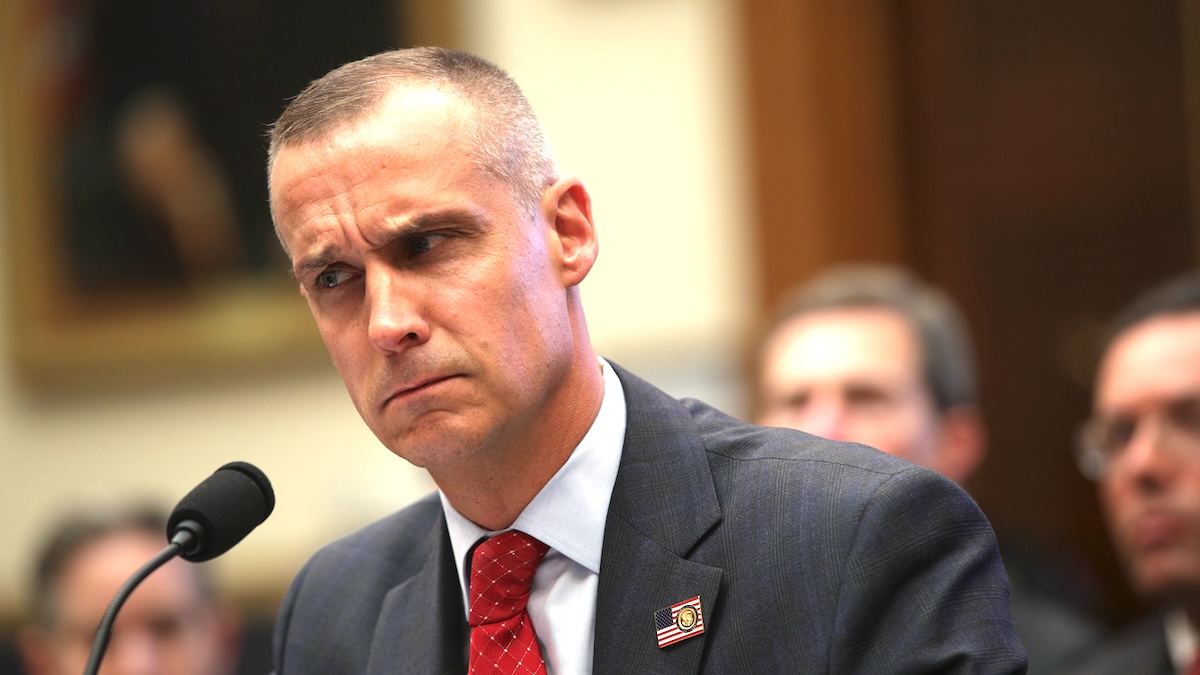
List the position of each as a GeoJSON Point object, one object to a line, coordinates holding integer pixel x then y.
{"type": "Point", "coordinates": [582, 487]}
{"type": "Point", "coordinates": [1182, 640]}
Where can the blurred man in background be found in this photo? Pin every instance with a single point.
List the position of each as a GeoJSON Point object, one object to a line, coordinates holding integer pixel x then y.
{"type": "Point", "coordinates": [171, 625]}
{"type": "Point", "coordinates": [870, 354]}
{"type": "Point", "coordinates": [1142, 447]}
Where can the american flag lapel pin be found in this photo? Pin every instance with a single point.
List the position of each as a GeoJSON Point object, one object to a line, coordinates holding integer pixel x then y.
{"type": "Point", "coordinates": [679, 622]}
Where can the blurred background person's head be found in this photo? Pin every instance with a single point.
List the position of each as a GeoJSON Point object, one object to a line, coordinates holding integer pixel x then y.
{"type": "Point", "coordinates": [172, 624]}
{"type": "Point", "coordinates": [874, 355]}
{"type": "Point", "coordinates": [871, 354]}
{"type": "Point", "coordinates": [1142, 444]}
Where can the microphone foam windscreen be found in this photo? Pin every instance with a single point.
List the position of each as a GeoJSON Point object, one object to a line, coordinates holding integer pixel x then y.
{"type": "Point", "coordinates": [228, 505]}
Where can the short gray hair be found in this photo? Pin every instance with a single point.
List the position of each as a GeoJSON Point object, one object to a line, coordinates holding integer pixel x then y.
{"type": "Point", "coordinates": [505, 137]}
{"type": "Point", "coordinates": [1177, 295]}
{"type": "Point", "coordinates": [944, 341]}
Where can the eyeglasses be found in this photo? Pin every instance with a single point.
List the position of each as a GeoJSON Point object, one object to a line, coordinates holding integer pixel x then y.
{"type": "Point", "coordinates": [1103, 440]}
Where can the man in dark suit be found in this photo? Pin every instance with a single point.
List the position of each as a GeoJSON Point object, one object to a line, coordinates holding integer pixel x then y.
{"type": "Point", "coordinates": [584, 521]}
{"type": "Point", "coordinates": [1142, 447]}
{"type": "Point", "coordinates": [872, 354]}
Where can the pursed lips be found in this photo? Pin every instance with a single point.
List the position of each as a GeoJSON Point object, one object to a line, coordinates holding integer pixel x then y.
{"type": "Point", "coordinates": [1156, 527]}
{"type": "Point", "coordinates": [408, 390]}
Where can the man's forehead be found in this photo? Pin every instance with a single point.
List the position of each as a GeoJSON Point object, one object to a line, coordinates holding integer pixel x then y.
{"type": "Point", "coordinates": [852, 327]}
{"type": "Point", "coordinates": [121, 550]}
{"type": "Point", "coordinates": [426, 123]}
{"type": "Point", "coordinates": [848, 348]}
{"type": "Point", "coordinates": [1177, 334]}
{"type": "Point", "coordinates": [1153, 358]}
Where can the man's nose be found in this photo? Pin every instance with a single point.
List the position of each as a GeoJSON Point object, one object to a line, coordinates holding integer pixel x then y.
{"type": "Point", "coordinates": [826, 419]}
{"type": "Point", "coordinates": [1146, 455]}
{"type": "Point", "coordinates": [394, 318]}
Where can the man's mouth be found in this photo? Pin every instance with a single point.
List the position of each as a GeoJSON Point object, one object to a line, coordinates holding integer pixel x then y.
{"type": "Point", "coordinates": [416, 388]}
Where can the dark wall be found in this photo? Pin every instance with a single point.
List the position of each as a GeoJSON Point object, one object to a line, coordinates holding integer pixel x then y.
{"type": "Point", "coordinates": [1047, 182]}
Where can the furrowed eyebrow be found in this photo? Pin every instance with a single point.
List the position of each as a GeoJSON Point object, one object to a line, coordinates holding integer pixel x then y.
{"type": "Point", "coordinates": [426, 221]}
{"type": "Point", "coordinates": [314, 263]}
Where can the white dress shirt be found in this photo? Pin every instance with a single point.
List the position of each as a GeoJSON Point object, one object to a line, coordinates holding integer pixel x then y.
{"type": "Point", "coordinates": [1182, 640]}
{"type": "Point", "coordinates": [568, 515]}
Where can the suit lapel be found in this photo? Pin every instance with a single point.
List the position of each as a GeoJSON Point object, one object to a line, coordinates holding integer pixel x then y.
{"type": "Point", "coordinates": [422, 625]}
{"type": "Point", "coordinates": [662, 504]}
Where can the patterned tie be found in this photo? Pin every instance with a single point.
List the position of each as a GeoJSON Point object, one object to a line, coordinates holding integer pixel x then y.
{"type": "Point", "coordinates": [502, 637]}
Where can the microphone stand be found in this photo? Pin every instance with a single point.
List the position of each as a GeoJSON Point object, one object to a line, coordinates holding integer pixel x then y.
{"type": "Point", "coordinates": [182, 541]}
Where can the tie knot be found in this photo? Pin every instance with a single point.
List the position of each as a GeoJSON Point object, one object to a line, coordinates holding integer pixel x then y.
{"type": "Point", "coordinates": [502, 569]}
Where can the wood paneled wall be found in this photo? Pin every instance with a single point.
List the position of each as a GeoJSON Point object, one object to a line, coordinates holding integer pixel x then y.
{"type": "Point", "coordinates": [1029, 157]}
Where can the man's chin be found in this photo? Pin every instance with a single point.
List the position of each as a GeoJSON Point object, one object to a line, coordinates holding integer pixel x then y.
{"type": "Point", "coordinates": [1168, 578]}
{"type": "Point", "coordinates": [434, 446]}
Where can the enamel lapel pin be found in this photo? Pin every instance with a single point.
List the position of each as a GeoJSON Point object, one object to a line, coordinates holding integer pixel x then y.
{"type": "Point", "coordinates": [679, 622]}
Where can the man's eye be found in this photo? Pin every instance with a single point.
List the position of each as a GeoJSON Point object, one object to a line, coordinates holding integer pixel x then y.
{"type": "Point", "coordinates": [166, 627]}
{"type": "Point", "coordinates": [424, 243]}
{"type": "Point", "coordinates": [796, 400]}
{"type": "Point", "coordinates": [866, 396]}
{"type": "Point", "coordinates": [1116, 433]}
{"type": "Point", "coordinates": [331, 278]}
{"type": "Point", "coordinates": [1185, 415]}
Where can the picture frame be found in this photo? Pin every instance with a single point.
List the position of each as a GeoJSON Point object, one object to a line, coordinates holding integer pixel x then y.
{"type": "Point", "coordinates": [87, 315]}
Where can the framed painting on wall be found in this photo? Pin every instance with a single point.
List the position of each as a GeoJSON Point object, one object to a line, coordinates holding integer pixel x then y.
{"type": "Point", "coordinates": [139, 240]}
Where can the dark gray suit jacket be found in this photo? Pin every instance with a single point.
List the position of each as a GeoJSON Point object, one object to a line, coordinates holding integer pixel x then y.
{"type": "Point", "coordinates": [1139, 650]}
{"type": "Point", "coordinates": [809, 557]}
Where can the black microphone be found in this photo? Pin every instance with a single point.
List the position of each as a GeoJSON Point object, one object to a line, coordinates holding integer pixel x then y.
{"type": "Point", "coordinates": [221, 511]}
{"type": "Point", "coordinates": [210, 520]}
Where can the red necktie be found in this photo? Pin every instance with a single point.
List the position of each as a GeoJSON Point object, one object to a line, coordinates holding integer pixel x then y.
{"type": "Point", "coordinates": [502, 637]}
{"type": "Point", "coordinates": [1194, 669]}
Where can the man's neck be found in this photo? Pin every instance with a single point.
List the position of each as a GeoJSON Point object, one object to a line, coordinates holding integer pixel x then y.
{"type": "Point", "coordinates": [494, 493]}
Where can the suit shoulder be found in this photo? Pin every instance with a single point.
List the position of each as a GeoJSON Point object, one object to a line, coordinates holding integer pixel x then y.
{"type": "Point", "coordinates": [738, 441]}
{"type": "Point", "coordinates": [817, 473]}
{"type": "Point", "coordinates": [741, 455]}
{"type": "Point", "coordinates": [393, 542]}
{"type": "Point", "coordinates": [350, 579]}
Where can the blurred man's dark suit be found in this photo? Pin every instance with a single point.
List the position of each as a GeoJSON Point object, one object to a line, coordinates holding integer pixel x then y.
{"type": "Point", "coordinates": [1140, 650]}
{"type": "Point", "coordinates": [808, 557]}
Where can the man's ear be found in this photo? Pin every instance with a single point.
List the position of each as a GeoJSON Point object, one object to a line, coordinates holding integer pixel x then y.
{"type": "Point", "coordinates": [567, 207]}
{"type": "Point", "coordinates": [962, 443]}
